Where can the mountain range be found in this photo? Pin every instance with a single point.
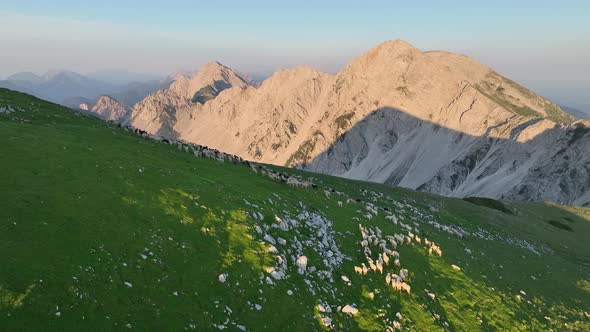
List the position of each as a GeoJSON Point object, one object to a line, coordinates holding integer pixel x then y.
{"type": "Point", "coordinates": [433, 121]}
{"type": "Point", "coordinates": [429, 120]}
{"type": "Point", "coordinates": [72, 89]}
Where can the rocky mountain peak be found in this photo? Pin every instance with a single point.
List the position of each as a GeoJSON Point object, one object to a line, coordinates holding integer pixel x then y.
{"type": "Point", "coordinates": [428, 120]}
{"type": "Point", "coordinates": [109, 108]}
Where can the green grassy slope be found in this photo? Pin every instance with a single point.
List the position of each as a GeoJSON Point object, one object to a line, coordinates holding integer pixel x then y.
{"type": "Point", "coordinates": [104, 230]}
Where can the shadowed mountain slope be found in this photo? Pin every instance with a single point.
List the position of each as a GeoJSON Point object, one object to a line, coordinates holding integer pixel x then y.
{"type": "Point", "coordinates": [296, 115]}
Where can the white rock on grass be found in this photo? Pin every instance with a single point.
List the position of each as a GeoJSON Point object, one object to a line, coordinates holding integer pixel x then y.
{"type": "Point", "coordinates": [348, 309]}
{"type": "Point", "coordinates": [301, 264]}
{"type": "Point", "coordinates": [222, 277]}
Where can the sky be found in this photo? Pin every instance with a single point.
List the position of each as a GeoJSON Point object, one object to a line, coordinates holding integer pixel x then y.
{"type": "Point", "coordinates": [525, 40]}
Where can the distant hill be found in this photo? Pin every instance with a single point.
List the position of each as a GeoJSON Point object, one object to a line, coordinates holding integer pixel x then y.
{"type": "Point", "coordinates": [576, 112]}
{"type": "Point", "coordinates": [121, 77]}
{"type": "Point", "coordinates": [72, 89]}
{"type": "Point", "coordinates": [58, 85]}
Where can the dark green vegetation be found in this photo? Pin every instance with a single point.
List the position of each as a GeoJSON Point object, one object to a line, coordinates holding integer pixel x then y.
{"type": "Point", "coordinates": [87, 207]}
{"type": "Point", "coordinates": [343, 121]}
{"type": "Point", "coordinates": [560, 225]}
{"type": "Point", "coordinates": [488, 202]}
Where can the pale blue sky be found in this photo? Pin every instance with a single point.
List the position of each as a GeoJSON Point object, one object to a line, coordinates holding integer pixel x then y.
{"type": "Point", "coordinates": [526, 40]}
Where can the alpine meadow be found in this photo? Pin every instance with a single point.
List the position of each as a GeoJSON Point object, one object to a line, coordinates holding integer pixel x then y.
{"type": "Point", "coordinates": [294, 166]}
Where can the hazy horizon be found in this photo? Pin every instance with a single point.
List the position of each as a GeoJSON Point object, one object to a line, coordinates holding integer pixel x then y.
{"type": "Point", "coordinates": [531, 41]}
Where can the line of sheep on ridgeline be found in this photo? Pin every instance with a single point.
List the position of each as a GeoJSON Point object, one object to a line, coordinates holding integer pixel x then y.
{"type": "Point", "coordinates": [207, 152]}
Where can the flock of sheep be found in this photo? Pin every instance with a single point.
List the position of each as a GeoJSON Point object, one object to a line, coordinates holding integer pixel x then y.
{"type": "Point", "coordinates": [373, 239]}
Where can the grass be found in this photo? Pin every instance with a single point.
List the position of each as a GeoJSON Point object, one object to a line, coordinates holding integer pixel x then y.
{"type": "Point", "coordinates": [560, 225]}
{"type": "Point", "coordinates": [83, 203]}
{"type": "Point", "coordinates": [488, 202]}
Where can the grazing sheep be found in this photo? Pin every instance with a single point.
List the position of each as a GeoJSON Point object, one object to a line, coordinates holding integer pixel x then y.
{"type": "Point", "coordinates": [364, 243]}
{"type": "Point", "coordinates": [372, 265]}
{"type": "Point", "coordinates": [434, 249]}
{"type": "Point", "coordinates": [358, 270]}
{"type": "Point", "coordinates": [432, 296]}
{"type": "Point", "coordinates": [403, 273]}
{"type": "Point", "coordinates": [365, 270]}
{"type": "Point", "coordinates": [379, 267]}
{"type": "Point", "coordinates": [339, 203]}
{"type": "Point", "coordinates": [385, 258]}
{"type": "Point", "coordinates": [396, 262]}
{"type": "Point", "coordinates": [406, 287]}
{"type": "Point", "coordinates": [455, 267]}
{"type": "Point", "coordinates": [388, 279]}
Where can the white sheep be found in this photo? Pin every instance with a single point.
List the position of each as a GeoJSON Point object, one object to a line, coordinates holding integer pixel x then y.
{"type": "Point", "coordinates": [372, 265]}
{"type": "Point", "coordinates": [406, 287]}
{"type": "Point", "coordinates": [403, 274]}
{"type": "Point", "coordinates": [379, 267]}
{"type": "Point", "coordinates": [358, 270]}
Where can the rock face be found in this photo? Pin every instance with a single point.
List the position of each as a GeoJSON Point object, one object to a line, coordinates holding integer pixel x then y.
{"type": "Point", "coordinates": [109, 109]}
{"type": "Point", "coordinates": [432, 121]}
{"type": "Point", "coordinates": [158, 112]}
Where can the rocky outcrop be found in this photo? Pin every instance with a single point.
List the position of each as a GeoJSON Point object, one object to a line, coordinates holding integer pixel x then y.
{"type": "Point", "coordinates": [109, 109]}
{"type": "Point", "coordinates": [157, 113]}
{"type": "Point", "coordinates": [433, 121]}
